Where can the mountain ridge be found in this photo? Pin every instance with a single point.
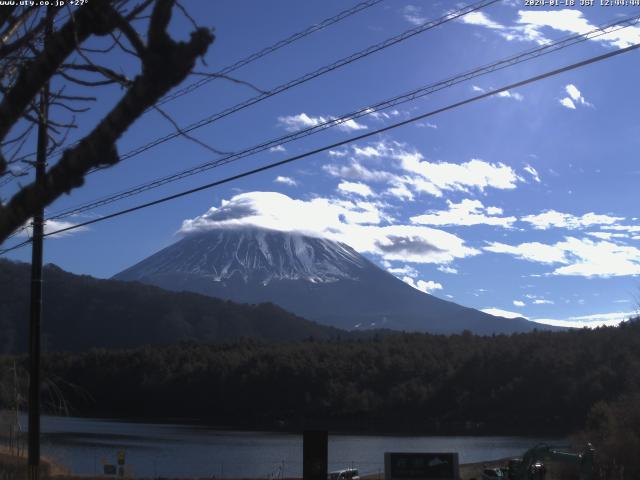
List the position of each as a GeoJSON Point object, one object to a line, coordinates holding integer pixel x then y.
{"type": "Point", "coordinates": [81, 312]}
{"type": "Point", "coordinates": [342, 288]}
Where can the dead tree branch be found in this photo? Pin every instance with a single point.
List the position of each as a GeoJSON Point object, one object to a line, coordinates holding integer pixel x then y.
{"type": "Point", "coordinates": [165, 64]}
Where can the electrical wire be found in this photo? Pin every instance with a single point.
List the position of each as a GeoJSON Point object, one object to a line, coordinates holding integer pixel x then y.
{"type": "Point", "coordinates": [305, 78]}
{"type": "Point", "coordinates": [310, 76]}
{"type": "Point", "coordinates": [244, 61]}
{"type": "Point", "coordinates": [270, 49]}
{"type": "Point", "coordinates": [270, 166]}
{"type": "Point", "coordinates": [395, 101]}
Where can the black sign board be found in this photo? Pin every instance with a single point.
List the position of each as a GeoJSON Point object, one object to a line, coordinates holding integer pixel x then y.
{"type": "Point", "coordinates": [421, 466]}
{"type": "Point", "coordinates": [110, 470]}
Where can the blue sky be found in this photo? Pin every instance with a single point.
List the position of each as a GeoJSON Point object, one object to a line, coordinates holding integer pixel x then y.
{"type": "Point", "coordinates": [524, 202]}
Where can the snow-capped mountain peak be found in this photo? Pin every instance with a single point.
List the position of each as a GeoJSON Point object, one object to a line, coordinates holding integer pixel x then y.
{"type": "Point", "coordinates": [254, 255]}
{"type": "Point", "coordinates": [316, 278]}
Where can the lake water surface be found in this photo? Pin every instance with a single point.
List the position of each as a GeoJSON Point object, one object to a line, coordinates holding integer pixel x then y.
{"type": "Point", "coordinates": [85, 445]}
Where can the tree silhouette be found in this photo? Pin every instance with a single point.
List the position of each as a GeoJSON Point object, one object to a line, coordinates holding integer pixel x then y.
{"type": "Point", "coordinates": [28, 63]}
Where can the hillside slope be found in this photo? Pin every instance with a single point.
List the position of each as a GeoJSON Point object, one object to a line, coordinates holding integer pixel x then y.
{"type": "Point", "coordinates": [81, 312]}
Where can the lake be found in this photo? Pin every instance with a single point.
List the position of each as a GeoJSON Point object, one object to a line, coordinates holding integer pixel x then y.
{"type": "Point", "coordinates": [85, 445]}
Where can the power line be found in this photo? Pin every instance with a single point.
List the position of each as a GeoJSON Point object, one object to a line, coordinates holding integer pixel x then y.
{"type": "Point", "coordinates": [15, 247]}
{"type": "Point", "coordinates": [400, 99]}
{"type": "Point", "coordinates": [270, 49]}
{"type": "Point", "coordinates": [307, 77]}
{"type": "Point", "coordinates": [310, 76]}
{"type": "Point", "coordinates": [244, 61]}
{"type": "Point", "coordinates": [270, 166]}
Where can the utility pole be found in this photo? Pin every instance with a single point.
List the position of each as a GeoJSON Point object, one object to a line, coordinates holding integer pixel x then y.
{"type": "Point", "coordinates": [33, 466]}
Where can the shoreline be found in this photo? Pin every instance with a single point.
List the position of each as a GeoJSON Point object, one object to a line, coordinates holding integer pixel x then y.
{"type": "Point", "coordinates": [333, 429]}
{"type": "Point", "coordinates": [11, 466]}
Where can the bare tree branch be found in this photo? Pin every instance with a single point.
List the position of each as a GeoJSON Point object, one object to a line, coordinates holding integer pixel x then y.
{"type": "Point", "coordinates": [187, 15]}
{"type": "Point", "coordinates": [104, 71]}
{"type": "Point", "coordinates": [134, 39]}
{"type": "Point", "coordinates": [6, 13]}
{"type": "Point", "coordinates": [85, 83]}
{"type": "Point", "coordinates": [69, 108]}
{"type": "Point", "coordinates": [165, 64]}
{"type": "Point", "coordinates": [231, 79]}
{"type": "Point", "coordinates": [15, 23]}
{"type": "Point", "coordinates": [186, 135]}
{"type": "Point", "coordinates": [30, 33]}
{"type": "Point", "coordinates": [96, 17]}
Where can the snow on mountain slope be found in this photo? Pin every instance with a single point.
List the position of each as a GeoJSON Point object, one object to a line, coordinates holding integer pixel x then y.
{"type": "Point", "coordinates": [315, 278]}
{"type": "Point", "coordinates": [254, 255]}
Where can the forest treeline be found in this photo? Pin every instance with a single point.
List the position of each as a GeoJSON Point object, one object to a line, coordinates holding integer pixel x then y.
{"type": "Point", "coordinates": [540, 382]}
{"type": "Point", "coordinates": [584, 382]}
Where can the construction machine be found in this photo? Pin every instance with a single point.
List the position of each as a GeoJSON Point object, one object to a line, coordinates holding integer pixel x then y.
{"type": "Point", "coordinates": [531, 466]}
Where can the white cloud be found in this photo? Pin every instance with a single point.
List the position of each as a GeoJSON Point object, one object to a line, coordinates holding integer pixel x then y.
{"type": "Point", "coordinates": [415, 244]}
{"type": "Point", "coordinates": [531, 23]}
{"type": "Point", "coordinates": [574, 98]}
{"type": "Point", "coordinates": [439, 176]}
{"type": "Point", "coordinates": [408, 172]}
{"type": "Point", "coordinates": [590, 321]}
{"type": "Point", "coordinates": [355, 187]}
{"type": "Point", "coordinates": [466, 213]}
{"type": "Point", "coordinates": [607, 235]}
{"type": "Point", "coordinates": [579, 257]}
{"type": "Point", "coordinates": [532, 251]}
{"type": "Point", "coordinates": [413, 15]}
{"type": "Point", "coordinates": [481, 19]}
{"type": "Point", "coordinates": [368, 151]}
{"type": "Point", "coordinates": [623, 228]}
{"type": "Point", "coordinates": [356, 171]}
{"type": "Point", "coordinates": [573, 92]}
{"type": "Point", "coordinates": [573, 21]}
{"type": "Point", "coordinates": [554, 219]}
{"type": "Point", "coordinates": [503, 94]}
{"type": "Point", "coordinates": [502, 313]}
{"type": "Point", "coordinates": [351, 124]}
{"type": "Point", "coordinates": [400, 191]}
{"type": "Point", "coordinates": [286, 181]}
{"type": "Point", "coordinates": [567, 102]}
{"type": "Point", "coordinates": [601, 259]}
{"type": "Point", "coordinates": [518, 303]}
{"type": "Point", "coordinates": [507, 94]}
{"type": "Point", "coordinates": [426, 287]}
{"type": "Point", "coordinates": [338, 153]}
{"type": "Point", "coordinates": [358, 224]}
{"type": "Point", "coordinates": [533, 172]}
{"type": "Point", "coordinates": [426, 125]}
{"type": "Point", "coordinates": [510, 33]}
{"type": "Point", "coordinates": [52, 226]}
{"type": "Point", "coordinates": [447, 269]}
{"type": "Point", "coordinates": [278, 148]}
{"type": "Point", "coordinates": [404, 271]}
{"type": "Point", "coordinates": [293, 123]}
{"type": "Point", "coordinates": [380, 115]}
{"type": "Point", "coordinates": [542, 301]}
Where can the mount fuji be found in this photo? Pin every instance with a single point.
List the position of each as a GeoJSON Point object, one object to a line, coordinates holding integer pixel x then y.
{"type": "Point", "coordinates": [316, 278]}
